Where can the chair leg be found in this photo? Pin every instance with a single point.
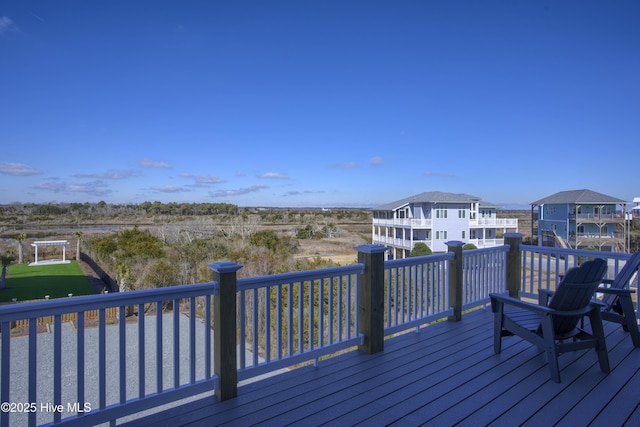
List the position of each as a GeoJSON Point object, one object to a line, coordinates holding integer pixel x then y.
{"type": "Point", "coordinates": [498, 318]}
{"type": "Point", "coordinates": [631, 322]}
{"type": "Point", "coordinates": [597, 330]}
{"type": "Point", "coordinates": [550, 347]}
{"type": "Point", "coordinates": [497, 332]}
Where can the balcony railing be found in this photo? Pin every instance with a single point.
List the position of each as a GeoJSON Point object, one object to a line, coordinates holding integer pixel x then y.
{"type": "Point", "coordinates": [405, 222]}
{"type": "Point", "coordinates": [610, 217]}
{"type": "Point", "coordinates": [494, 222]}
{"type": "Point", "coordinates": [172, 343]}
{"type": "Point", "coordinates": [428, 222]}
{"type": "Point", "coordinates": [598, 236]}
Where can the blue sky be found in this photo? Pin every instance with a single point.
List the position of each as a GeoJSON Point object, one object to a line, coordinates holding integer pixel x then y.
{"type": "Point", "coordinates": [317, 103]}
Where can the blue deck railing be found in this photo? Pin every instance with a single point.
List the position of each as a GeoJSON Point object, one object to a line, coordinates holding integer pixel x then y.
{"type": "Point", "coordinates": [140, 359]}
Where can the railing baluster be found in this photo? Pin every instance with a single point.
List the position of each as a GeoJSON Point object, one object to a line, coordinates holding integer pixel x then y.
{"type": "Point", "coordinates": [300, 317]}
{"type": "Point", "coordinates": [340, 286]}
{"type": "Point", "coordinates": [243, 329]}
{"type": "Point", "coordinates": [279, 314]}
{"type": "Point", "coordinates": [176, 343]}
{"type": "Point", "coordinates": [102, 357]}
{"type": "Point", "coordinates": [122, 325]}
{"type": "Point", "coordinates": [207, 337]}
{"type": "Point", "coordinates": [5, 370]}
{"type": "Point", "coordinates": [290, 323]}
{"type": "Point", "coordinates": [267, 324]}
{"type": "Point", "coordinates": [255, 328]}
{"type": "Point", "coordinates": [159, 349]}
{"type": "Point", "coordinates": [33, 364]}
{"type": "Point", "coordinates": [311, 344]}
{"type": "Point", "coordinates": [192, 340]}
{"type": "Point", "coordinates": [57, 365]}
{"type": "Point", "coordinates": [141, 352]}
{"type": "Point", "coordinates": [320, 314]}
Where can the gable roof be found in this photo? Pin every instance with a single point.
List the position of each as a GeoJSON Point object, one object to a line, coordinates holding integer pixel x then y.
{"type": "Point", "coordinates": [577, 197]}
{"type": "Point", "coordinates": [432, 197]}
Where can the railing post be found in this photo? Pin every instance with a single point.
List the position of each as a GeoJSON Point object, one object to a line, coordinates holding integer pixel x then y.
{"type": "Point", "coordinates": [455, 280]}
{"type": "Point", "coordinates": [224, 329]}
{"type": "Point", "coordinates": [514, 263]}
{"type": "Point", "coordinates": [371, 297]}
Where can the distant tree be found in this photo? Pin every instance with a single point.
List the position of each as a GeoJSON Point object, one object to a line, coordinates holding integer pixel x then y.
{"type": "Point", "coordinates": [21, 237]}
{"type": "Point", "coordinates": [79, 236]}
{"type": "Point", "coordinates": [5, 260]}
{"type": "Point", "coordinates": [305, 232]}
{"type": "Point", "coordinates": [420, 249]}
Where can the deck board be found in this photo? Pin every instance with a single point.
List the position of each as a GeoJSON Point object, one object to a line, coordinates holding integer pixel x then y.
{"type": "Point", "coordinates": [445, 374]}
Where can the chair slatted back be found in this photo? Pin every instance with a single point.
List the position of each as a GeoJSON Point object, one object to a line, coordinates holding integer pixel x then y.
{"type": "Point", "coordinates": [575, 291]}
{"type": "Point", "coordinates": [622, 279]}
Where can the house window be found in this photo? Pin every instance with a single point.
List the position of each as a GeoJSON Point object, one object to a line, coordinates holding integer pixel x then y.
{"type": "Point", "coordinates": [441, 235]}
{"type": "Point", "coordinates": [464, 234]}
{"type": "Point", "coordinates": [441, 212]}
{"type": "Point", "coordinates": [462, 213]}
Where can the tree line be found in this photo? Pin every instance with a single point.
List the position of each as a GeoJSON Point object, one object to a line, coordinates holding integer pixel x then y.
{"type": "Point", "coordinates": [103, 208]}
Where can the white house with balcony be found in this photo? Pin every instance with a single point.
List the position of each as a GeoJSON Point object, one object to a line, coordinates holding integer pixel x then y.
{"type": "Point", "coordinates": [435, 218]}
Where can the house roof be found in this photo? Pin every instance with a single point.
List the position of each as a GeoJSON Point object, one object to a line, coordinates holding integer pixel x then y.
{"type": "Point", "coordinates": [434, 197]}
{"type": "Point", "coordinates": [577, 197]}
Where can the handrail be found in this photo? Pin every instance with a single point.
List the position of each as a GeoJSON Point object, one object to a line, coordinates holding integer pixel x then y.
{"type": "Point", "coordinates": [17, 311]}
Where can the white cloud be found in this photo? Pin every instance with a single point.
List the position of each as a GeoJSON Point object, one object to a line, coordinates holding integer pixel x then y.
{"type": "Point", "coordinates": [95, 188]}
{"type": "Point", "coordinates": [376, 160]}
{"type": "Point", "coordinates": [273, 175]}
{"type": "Point", "coordinates": [170, 189]}
{"type": "Point", "coordinates": [6, 25]}
{"type": "Point", "coordinates": [18, 169]}
{"type": "Point", "coordinates": [148, 163]}
{"type": "Point", "coordinates": [112, 174]}
{"type": "Point", "coordinates": [298, 193]}
{"type": "Point", "coordinates": [203, 180]}
{"type": "Point", "coordinates": [238, 192]}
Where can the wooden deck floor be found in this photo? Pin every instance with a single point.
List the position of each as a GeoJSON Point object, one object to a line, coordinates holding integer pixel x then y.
{"type": "Point", "coordinates": [446, 374]}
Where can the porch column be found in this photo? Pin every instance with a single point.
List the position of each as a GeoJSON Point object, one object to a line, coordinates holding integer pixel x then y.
{"type": "Point", "coordinates": [514, 263]}
{"type": "Point", "coordinates": [224, 329]}
{"type": "Point", "coordinates": [455, 280]}
{"type": "Point", "coordinates": [371, 298]}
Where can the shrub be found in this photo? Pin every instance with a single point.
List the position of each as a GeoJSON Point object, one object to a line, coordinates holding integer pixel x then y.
{"type": "Point", "coordinates": [420, 249]}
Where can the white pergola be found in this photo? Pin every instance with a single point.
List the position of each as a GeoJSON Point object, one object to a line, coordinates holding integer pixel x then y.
{"type": "Point", "coordinates": [62, 243]}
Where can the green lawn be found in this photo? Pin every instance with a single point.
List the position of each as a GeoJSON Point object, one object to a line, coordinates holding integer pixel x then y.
{"type": "Point", "coordinates": [34, 282]}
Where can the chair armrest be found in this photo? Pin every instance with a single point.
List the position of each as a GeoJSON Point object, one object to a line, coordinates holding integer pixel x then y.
{"type": "Point", "coordinates": [507, 300]}
{"type": "Point", "coordinates": [544, 295]}
{"type": "Point", "coordinates": [607, 281]}
{"type": "Point", "coordinates": [616, 291]}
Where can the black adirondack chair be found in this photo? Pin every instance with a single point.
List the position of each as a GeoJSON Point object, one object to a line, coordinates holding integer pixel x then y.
{"type": "Point", "coordinates": [553, 327]}
{"type": "Point", "coordinates": [618, 306]}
